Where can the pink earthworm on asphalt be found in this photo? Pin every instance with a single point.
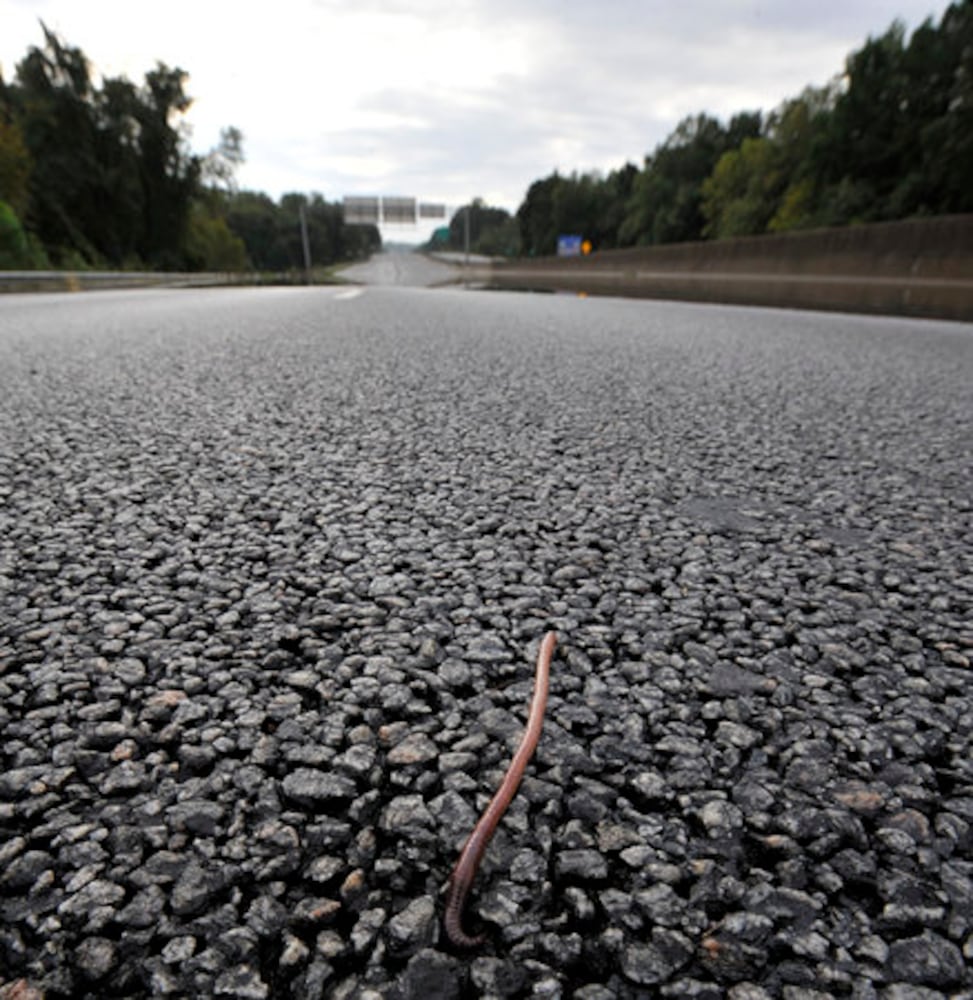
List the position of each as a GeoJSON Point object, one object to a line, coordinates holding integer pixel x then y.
{"type": "Point", "coordinates": [461, 880]}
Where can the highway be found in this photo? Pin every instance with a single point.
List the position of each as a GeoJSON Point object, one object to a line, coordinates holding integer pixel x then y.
{"type": "Point", "coordinates": [274, 568]}
{"type": "Point", "coordinates": [403, 269]}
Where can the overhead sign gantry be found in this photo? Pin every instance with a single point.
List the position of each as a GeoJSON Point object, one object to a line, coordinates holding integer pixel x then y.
{"type": "Point", "coordinates": [392, 210]}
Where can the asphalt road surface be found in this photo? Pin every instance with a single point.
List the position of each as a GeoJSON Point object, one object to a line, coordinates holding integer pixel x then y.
{"type": "Point", "coordinates": [274, 567]}
{"type": "Point", "coordinates": [404, 269]}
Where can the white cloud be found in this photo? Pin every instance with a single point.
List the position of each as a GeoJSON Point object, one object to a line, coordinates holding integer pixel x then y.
{"type": "Point", "coordinates": [449, 99]}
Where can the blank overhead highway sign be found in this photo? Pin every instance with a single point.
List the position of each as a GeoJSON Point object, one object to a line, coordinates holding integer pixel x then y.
{"type": "Point", "coordinates": [362, 211]}
{"type": "Point", "coordinates": [399, 210]}
{"type": "Point", "coordinates": [381, 209]}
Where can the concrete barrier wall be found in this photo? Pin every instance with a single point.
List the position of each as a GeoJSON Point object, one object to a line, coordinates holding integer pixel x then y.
{"type": "Point", "coordinates": [920, 267]}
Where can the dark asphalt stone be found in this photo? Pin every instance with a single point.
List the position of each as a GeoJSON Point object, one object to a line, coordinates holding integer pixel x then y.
{"type": "Point", "coordinates": [657, 960]}
{"type": "Point", "coordinates": [107, 735]}
{"type": "Point", "coordinates": [92, 896]}
{"type": "Point", "coordinates": [196, 889]}
{"type": "Point", "coordinates": [126, 778]}
{"type": "Point", "coordinates": [488, 650]}
{"type": "Point", "coordinates": [144, 908]}
{"type": "Point", "coordinates": [927, 960]}
{"type": "Point", "coordinates": [412, 928]}
{"type": "Point", "coordinates": [317, 789]}
{"type": "Point", "coordinates": [275, 566]}
{"type": "Point", "coordinates": [407, 816]}
{"type": "Point", "coordinates": [23, 871]}
{"type": "Point", "coordinates": [662, 905]}
{"type": "Point", "coordinates": [96, 957]}
{"type": "Point", "coordinates": [198, 816]}
{"type": "Point", "coordinates": [366, 929]}
{"type": "Point", "coordinates": [416, 748]}
{"type": "Point", "coordinates": [581, 865]}
{"type": "Point", "coordinates": [431, 974]}
{"type": "Point", "coordinates": [197, 760]}
{"type": "Point", "coordinates": [497, 976]}
{"type": "Point", "coordinates": [243, 982]}
{"type": "Point", "coordinates": [160, 868]}
{"type": "Point", "coordinates": [266, 916]}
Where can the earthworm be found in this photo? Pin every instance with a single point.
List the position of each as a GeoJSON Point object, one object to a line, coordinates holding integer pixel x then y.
{"type": "Point", "coordinates": [463, 874]}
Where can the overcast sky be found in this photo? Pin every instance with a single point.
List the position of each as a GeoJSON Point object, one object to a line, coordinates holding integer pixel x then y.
{"type": "Point", "coordinates": [451, 99]}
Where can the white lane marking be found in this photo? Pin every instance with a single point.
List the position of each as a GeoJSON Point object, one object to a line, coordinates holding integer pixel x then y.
{"type": "Point", "coordinates": [350, 293]}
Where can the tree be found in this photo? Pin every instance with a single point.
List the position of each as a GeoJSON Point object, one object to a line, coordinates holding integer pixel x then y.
{"type": "Point", "coordinates": [210, 245]}
{"type": "Point", "coordinates": [120, 193]}
{"type": "Point", "coordinates": [899, 140]}
{"type": "Point", "coordinates": [941, 61]}
{"type": "Point", "coordinates": [111, 179]}
{"type": "Point", "coordinates": [15, 167]}
{"type": "Point", "coordinates": [220, 165]}
{"type": "Point", "coordinates": [52, 99]}
{"type": "Point", "coordinates": [618, 191]}
{"type": "Point", "coordinates": [797, 128]}
{"type": "Point", "coordinates": [535, 217]}
{"type": "Point", "coordinates": [868, 134]}
{"type": "Point", "coordinates": [501, 239]}
{"type": "Point", "coordinates": [666, 201]}
{"type": "Point", "coordinates": [580, 206]}
{"type": "Point", "coordinates": [488, 228]}
{"type": "Point", "coordinates": [742, 193]}
{"type": "Point", "coordinates": [764, 183]}
{"type": "Point", "coordinates": [272, 237]}
{"type": "Point", "coordinates": [253, 217]}
{"type": "Point", "coordinates": [14, 251]}
{"type": "Point", "coordinates": [170, 174]}
{"type": "Point", "coordinates": [892, 138]}
{"type": "Point", "coordinates": [102, 174]}
{"type": "Point", "coordinates": [587, 205]}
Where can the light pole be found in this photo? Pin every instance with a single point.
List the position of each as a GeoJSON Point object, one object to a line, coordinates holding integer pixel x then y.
{"type": "Point", "coordinates": [466, 244]}
{"type": "Point", "coordinates": [306, 243]}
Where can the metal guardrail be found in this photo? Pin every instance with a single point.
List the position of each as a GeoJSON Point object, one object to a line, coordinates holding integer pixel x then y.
{"type": "Point", "coordinates": [80, 281]}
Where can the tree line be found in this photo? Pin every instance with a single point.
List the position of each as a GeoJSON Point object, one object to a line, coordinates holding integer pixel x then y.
{"type": "Point", "coordinates": [100, 174]}
{"type": "Point", "coordinates": [890, 138]}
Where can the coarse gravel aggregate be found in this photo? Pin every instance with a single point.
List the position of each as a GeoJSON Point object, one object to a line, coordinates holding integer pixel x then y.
{"type": "Point", "coordinates": [274, 568]}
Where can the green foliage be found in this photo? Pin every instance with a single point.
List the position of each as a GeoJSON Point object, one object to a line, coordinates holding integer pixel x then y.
{"type": "Point", "coordinates": [740, 196]}
{"type": "Point", "coordinates": [492, 230]}
{"type": "Point", "coordinates": [111, 177]}
{"type": "Point", "coordinates": [170, 175]}
{"type": "Point", "coordinates": [588, 205]}
{"type": "Point", "coordinates": [211, 246]}
{"type": "Point", "coordinates": [762, 184]}
{"type": "Point", "coordinates": [253, 217]}
{"type": "Point", "coordinates": [15, 167]}
{"type": "Point", "coordinates": [538, 226]}
{"type": "Point", "coordinates": [667, 200]}
{"type": "Point", "coordinates": [19, 250]}
{"type": "Point", "coordinates": [899, 140]}
{"type": "Point", "coordinates": [271, 233]}
{"type": "Point", "coordinates": [220, 165]}
{"type": "Point", "coordinates": [103, 175]}
{"type": "Point", "coordinates": [501, 239]}
{"type": "Point", "coordinates": [13, 242]}
{"type": "Point", "coordinates": [892, 138]}
{"type": "Point", "coordinates": [795, 207]}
